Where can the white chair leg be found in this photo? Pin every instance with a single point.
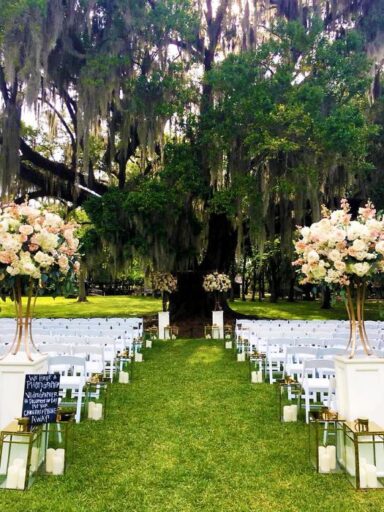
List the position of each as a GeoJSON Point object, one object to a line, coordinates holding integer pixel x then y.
{"type": "Point", "coordinates": [78, 405]}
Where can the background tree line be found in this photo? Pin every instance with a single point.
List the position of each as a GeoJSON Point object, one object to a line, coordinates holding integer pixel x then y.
{"type": "Point", "coordinates": [207, 130]}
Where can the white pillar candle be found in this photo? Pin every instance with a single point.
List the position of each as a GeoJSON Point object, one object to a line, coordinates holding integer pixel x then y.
{"type": "Point", "coordinates": [12, 477]}
{"type": "Point", "coordinates": [123, 377]}
{"type": "Point", "coordinates": [50, 453]}
{"type": "Point", "coordinates": [21, 473]}
{"type": "Point", "coordinates": [34, 459]}
{"type": "Point", "coordinates": [18, 463]}
{"type": "Point", "coordinates": [287, 413]}
{"type": "Point", "coordinates": [61, 452]}
{"type": "Point", "coordinates": [58, 464]}
{"type": "Point", "coordinates": [293, 412]}
{"type": "Point", "coordinates": [324, 460]}
{"type": "Point", "coordinates": [371, 475]}
{"type": "Point", "coordinates": [363, 476]}
{"type": "Point", "coordinates": [98, 412]}
{"type": "Point", "coordinates": [332, 456]}
{"type": "Point", "coordinates": [91, 408]}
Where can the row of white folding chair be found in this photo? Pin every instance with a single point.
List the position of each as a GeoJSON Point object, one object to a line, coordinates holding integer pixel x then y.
{"type": "Point", "coordinates": [296, 356]}
{"type": "Point", "coordinates": [98, 359]}
{"type": "Point", "coordinates": [279, 349]}
{"type": "Point", "coordinates": [317, 380]}
{"type": "Point", "coordinates": [261, 345]}
{"type": "Point", "coordinates": [72, 372]}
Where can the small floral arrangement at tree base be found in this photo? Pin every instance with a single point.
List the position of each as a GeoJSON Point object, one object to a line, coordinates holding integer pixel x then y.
{"type": "Point", "coordinates": [216, 283]}
{"type": "Point", "coordinates": [344, 253]}
{"type": "Point", "coordinates": [165, 283]}
{"type": "Point", "coordinates": [37, 253]}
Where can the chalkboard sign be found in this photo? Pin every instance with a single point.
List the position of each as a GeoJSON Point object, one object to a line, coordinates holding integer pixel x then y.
{"type": "Point", "coordinates": [41, 398]}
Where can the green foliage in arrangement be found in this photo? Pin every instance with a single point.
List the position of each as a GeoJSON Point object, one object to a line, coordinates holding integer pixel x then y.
{"type": "Point", "coordinates": [191, 434]}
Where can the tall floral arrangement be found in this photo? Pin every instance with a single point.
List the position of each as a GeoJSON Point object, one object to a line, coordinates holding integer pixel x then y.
{"type": "Point", "coordinates": [216, 283]}
{"type": "Point", "coordinates": [345, 253]}
{"type": "Point", "coordinates": [37, 251]}
{"type": "Point", "coordinates": [165, 283]}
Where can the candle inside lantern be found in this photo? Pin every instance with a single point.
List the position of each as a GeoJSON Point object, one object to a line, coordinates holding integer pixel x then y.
{"type": "Point", "coordinates": [12, 477]}
{"type": "Point", "coordinates": [332, 456]}
{"type": "Point", "coordinates": [50, 453]}
{"type": "Point", "coordinates": [91, 408]}
{"type": "Point", "coordinates": [324, 460]}
{"type": "Point", "coordinates": [97, 412]}
{"type": "Point", "coordinates": [371, 475]}
{"type": "Point", "coordinates": [58, 462]}
{"type": "Point", "coordinates": [363, 476]}
{"type": "Point", "coordinates": [123, 377]}
{"type": "Point", "coordinates": [21, 477]}
{"type": "Point", "coordinates": [294, 412]}
{"type": "Point", "coordinates": [290, 413]}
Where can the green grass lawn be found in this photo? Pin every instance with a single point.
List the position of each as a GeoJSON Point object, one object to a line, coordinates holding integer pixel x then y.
{"type": "Point", "coordinates": [116, 305]}
{"type": "Point", "coordinates": [310, 310]}
{"type": "Point", "coordinates": [140, 306]}
{"type": "Point", "coordinates": [191, 434]}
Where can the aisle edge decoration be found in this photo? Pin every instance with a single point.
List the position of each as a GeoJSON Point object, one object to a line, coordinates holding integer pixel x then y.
{"type": "Point", "coordinates": [37, 252]}
{"type": "Point", "coordinates": [345, 254]}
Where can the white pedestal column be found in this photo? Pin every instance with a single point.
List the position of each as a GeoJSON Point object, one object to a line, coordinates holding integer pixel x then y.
{"type": "Point", "coordinates": [359, 388]}
{"type": "Point", "coordinates": [13, 370]}
{"type": "Point", "coordinates": [218, 319]}
{"type": "Point", "coordinates": [163, 322]}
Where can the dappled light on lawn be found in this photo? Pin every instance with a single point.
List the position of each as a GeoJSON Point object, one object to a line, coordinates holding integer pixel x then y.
{"type": "Point", "coordinates": [203, 356]}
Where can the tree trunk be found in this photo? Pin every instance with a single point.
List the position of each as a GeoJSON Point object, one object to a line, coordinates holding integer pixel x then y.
{"type": "Point", "coordinates": [291, 294]}
{"type": "Point", "coordinates": [261, 287]}
{"type": "Point", "coordinates": [82, 297]}
{"type": "Point", "coordinates": [254, 281]}
{"type": "Point", "coordinates": [243, 284]}
{"type": "Point", "coordinates": [326, 303]}
{"type": "Point", "coordinates": [190, 301]}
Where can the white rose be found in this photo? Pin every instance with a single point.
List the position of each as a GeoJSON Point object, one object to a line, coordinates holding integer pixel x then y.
{"type": "Point", "coordinates": [340, 266]}
{"type": "Point", "coordinates": [380, 247]}
{"type": "Point", "coordinates": [13, 271]}
{"type": "Point", "coordinates": [313, 257]}
{"type": "Point", "coordinates": [319, 272]}
{"type": "Point", "coordinates": [334, 255]}
{"type": "Point", "coordinates": [360, 269]}
{"type": "Point", "coordinates": [359, 245]}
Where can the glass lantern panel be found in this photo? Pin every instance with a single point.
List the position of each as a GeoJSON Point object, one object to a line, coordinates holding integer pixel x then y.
{"type": "Point", "coordinates": [20, 457]}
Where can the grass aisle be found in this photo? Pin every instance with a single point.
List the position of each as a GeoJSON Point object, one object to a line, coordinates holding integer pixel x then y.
{"type": "Point", "coordinates": [191, 434]}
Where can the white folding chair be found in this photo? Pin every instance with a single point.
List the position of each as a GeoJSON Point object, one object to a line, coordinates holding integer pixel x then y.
{"type": "Point", "coordinates": [294, 360]}
{"type": "Point", "coordinates": [72, 377]}
{"type": "Point", "coordinates": [316, 375]}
